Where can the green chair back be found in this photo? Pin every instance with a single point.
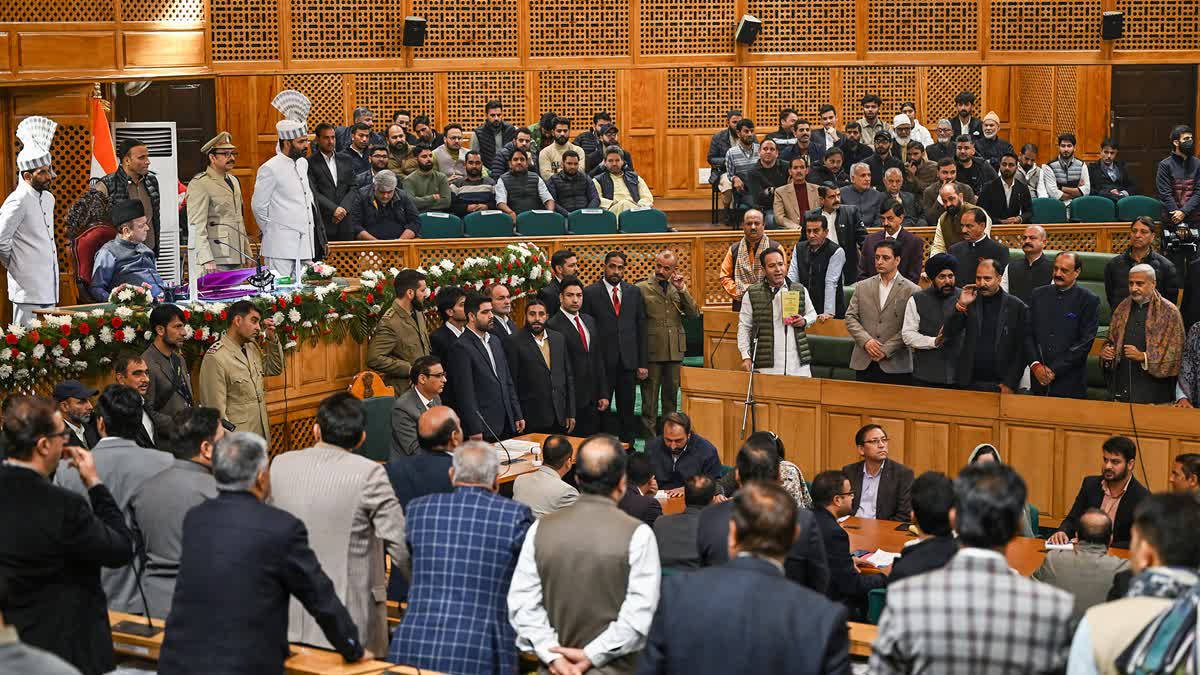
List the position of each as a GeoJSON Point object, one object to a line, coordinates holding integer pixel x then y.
{"type": "Point", "coordinates": [378, 445]}
{"type": "Point", "coordinates": [436, 225]}
{"type": "Point", "coordinates": [876, 601]}
{"type": "Point", "coordinates": [1047, 211]}
{"type": "Point", "coordinates": [1133, 206]}
{"type": "Point", "coordinates": [643, 221]}
{"type": "Point", "coordinates": [1034, 514]}
{"type": "Point", "coordinates": [488, 224]}
{"type": "Point", "coordinates": [541, 223]}
{"type": "Point", "coordinates": [1093, 209]}
{"type": "Point", "coordinates": [592, 221]}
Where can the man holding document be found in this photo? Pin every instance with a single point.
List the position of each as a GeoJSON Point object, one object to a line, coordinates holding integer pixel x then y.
{"type": "Point", "coordinates": [773, 319]}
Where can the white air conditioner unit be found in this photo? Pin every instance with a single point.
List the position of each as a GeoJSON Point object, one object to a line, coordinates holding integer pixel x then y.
{"type": "Point", "coordinates": [159, 138]}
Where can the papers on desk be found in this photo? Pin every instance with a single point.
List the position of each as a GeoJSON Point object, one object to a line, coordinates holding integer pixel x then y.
{"type": "Point", "coordinates": [515, 450]}
{"type": "Point", "coordinates": [882, 558]}
{"type": "Point", "coordinates": [1060, 547]}
{"type": "Point", "coordinates": [662, 495]}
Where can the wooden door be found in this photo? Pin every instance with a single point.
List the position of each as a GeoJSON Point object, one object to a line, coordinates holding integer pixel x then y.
{"type": "Point", "coordinates": [1147, 102]}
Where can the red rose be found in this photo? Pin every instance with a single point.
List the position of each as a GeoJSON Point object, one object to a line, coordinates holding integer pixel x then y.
{"type": "Point", "coordinates": [85, 328]}
{"type": "Point", "coordinates": [119, 335]}
{"type": "Point", "coordinates": [116, 322]}
{"type": "Point", "coordinates": [282, 303]}
{"type": "Point", "coordinates": [15, 352]}
{"type": "Point", "coordinates": [212, 337]}
{"type": "Point", "coordinates": [66, 330]}
{"type": "Point", "coordinates": [510, 266]}
{"type": "Point", "coordinates": [208, 316]}
{"type": "Point", "coordinates": [187, 315]}
{"type": "Point", "coordinates": [370, 298]}
{"type": "Point", "coordinates": [64, 343]}
{"type": "Point", "coordinates": [224, 315]}
{"type": "Point", "coordinates": [34, 337]}
{"type": "Point", "coordinates": [343, 296]}
{"type": "Point", "coordinates": [47, 341]}
{"type": "Point", "coordinates": [296, 300]}
{"type": "Point", "coordinates": [11, 339]}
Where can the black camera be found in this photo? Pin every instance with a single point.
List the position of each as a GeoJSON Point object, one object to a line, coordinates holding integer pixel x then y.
{"type": "Point", "coordinates": [1183, 239]}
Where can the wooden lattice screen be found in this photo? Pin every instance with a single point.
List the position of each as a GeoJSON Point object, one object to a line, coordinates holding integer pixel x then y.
{"type": "Point", "coordinates": [1045, 25]}
{"type": "Point", "coordinates": [782, 19]}
{"type": "Point", "coordinates": [64, 11]}
{"type": "Point", "coordinates": [893, 84]}
{"type": "Point", "coordinates": [325, 92]}
{"type": "Point", "coordinates": [1160, 25]}
{"type": "Point", "coordinates": [189, 11]}
{"type": "Point", "coordinates": [1064, 98]}
{"type": "Point", "coordinates": [345, 29]}
{"type": "Point", "coordinates": [923, 25]}
{"type": "Point", "coordinates": [575, 28]}
{"type": "Point", "coordinates": [801, 88]}
{"type": "Point", "coordinates": [470, 91]}
{"type": "Point", "coordinates": [386, 93]}
{"type": "Point", "coordinates": [943, 83]}
{"type": "Point", "coordinates": [578, 94]}
{"type": "Point", "coordinates": [669, 27]}
{"type": "Point", "coordinates": [245, 30]}
{"type": "Point", "coordinates": [477, 30]}
{"type": "Point", "coordinates": [697, 98]}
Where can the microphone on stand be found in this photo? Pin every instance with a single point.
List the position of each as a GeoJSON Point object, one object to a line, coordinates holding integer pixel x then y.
{"type": "Point", "coordinates": [140, 556]}
{"type": "Point", "coordinates": [496, 436]}
{"type": "Point", "coordinates": [712, 363]}
{"type": "Point", "coordinates": [262, 279]}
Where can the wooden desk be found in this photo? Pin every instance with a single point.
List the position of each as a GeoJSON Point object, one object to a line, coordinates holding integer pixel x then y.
{"type": "Point", "coordinates": [1025, 554]}
{"type": "Point", "coordinates": [524, 463]}
{"type": "Point", "coordinates": [862, 636]}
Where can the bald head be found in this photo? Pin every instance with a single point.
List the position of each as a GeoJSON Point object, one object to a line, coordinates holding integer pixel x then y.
{"type": "Point", "coordinates": [950, 195]}
{"type": "Point", "coordinates": [665, 265]}
{"type": "Point", "coordinates": [438, 429]}
{"type": "Point", "coordinates": [600, 467]}
{"type": "Point", "coordinates": [1095, 527]}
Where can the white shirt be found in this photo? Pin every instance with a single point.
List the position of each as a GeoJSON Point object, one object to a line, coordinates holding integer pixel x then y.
{"type": "Point", "coordinates": [283, 207]}
{"type": "Point", "coordinates": [830, 137]}
{"type": "Point", "coordinates": [148, 424]}
{"type": "Point", "coordinates": [332, 164]}
{"type": "Point", "coordinates": [27, 248]}
{"type": "Point", "coordinates": [831, 224]}
{"type": "Point", "coordinates": [1008, 188]}
{"type": "Point", "coordinates": [885, 288]}
{"type": "Point", "coordinates": [833, 273]}
{"type": "Point", "coordinates": [579, 324]}
{"type": "Point", "coordinates": [910, 331]}
{"type": "Point", "coordinates": [625, 635]}
{"type": "Point", "coordinates": [505, 324]}
{"type": "Point", "coordinates": [787, 360]}
{"type": "Point", "coordinates": [1049, 183]}
{"type": "Point", "coordinates": [455, 329]}
{"type": "Point", "coordinates": [870, 492]}
{"type": "Point", "coordinates": [539, 339]}
{"type": "Point", "coordinates": [424, 401]}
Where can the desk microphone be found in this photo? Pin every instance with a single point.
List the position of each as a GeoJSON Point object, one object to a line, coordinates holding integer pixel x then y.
{"type": "Point", "coordinates": [262, 279]}
{"type": "Point", "coordinates": [713, 355]}
{"type": "Point", "coordinates": [496, 436]}
{"type": "Point", "coordinates": [140, 556]}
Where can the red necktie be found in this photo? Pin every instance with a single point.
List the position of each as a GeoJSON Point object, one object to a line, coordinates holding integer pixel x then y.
{"type": "Point", "coordinates": [582, 335]}
{"type": "Point", "coordinates": [616, 302]}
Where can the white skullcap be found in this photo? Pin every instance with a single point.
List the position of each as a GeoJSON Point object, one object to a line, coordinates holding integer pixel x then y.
{"type": "Point", "coordinates": [901, 119]}
{"type": "Point", "coordinates": [295, 108]}
{"type": "Point", "coordinates": [36, 134]}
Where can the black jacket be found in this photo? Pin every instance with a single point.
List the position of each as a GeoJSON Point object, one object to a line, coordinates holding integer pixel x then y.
{"type": "Point", "coordinates": [846, 585]}
{"type": "Point", "coordinates": [805, 564]}
{"type": "Point", "coordinates": [484, 140]}
{"type": "Point", "coordinates": [242, 562]}
{"type": "Point", "coordinates": [744, 617]}
{"type": "Point", "coordinates": [1102, 185]}
{"type": "Point", "coordinates": [974, 127]}
{"type": "Point", "coordinates": [676, 537]}
{"type": "Point", "coordinates": [593, 164]}
{"type": "Point", "coordinates": [482, 391]}
{"type": "Point", "coordinates": [936, 151]}
{"type": "Point", "coordinates": [931, 554]}
{"type": "Point", "coordinates": [820, 175]}
{"type": "Point", "coordinates": [343, 135]}
{"type": "Point", "coordinates": [968, 254]}
{"type": "Point", "coordinates": [329, 196]}
{"type": "Point", "coordinates": [52, 545]}
{"type": "Point", "coordinates": [879, 166]}
{"type": "Point", "coordinates": [991, 150]}
{"type": "Point", "coordinates": [1062, 328]}
{"type": "Point", "coordinates": [978, 176]}
{"type": "Point", "coordinates": [383, 221]}
{"type": "Point", "coordinates": [1023, 277]}
{"type": "Point", "coordinates": [854, 153]}
{"type": "Point", "coordinates": [621, 339]}
{"type": "Point", "coordinates": [1116, 277]}
{"type": "Point", "coordinates": [1091, 495]}
{"type": "Point", "coordinates": [718, 146]}
{"type": "Point", "coordinates": [1019, 203]}
{"type": "Point", "coordinates": [425, 473]}
{"type": "Point", "coordinates": [643, 507]}
{"type": "Point", "coordinates": [440, 342]}
{"type": "Point", "coordinates": [549, 295]}
{"type": "Point", "coordinates": [91, 435]}
{"type": "Point", "coordinates": [894, 499]}
{"type": "Point", "coordinates": [1009, 339]}
{"type": "Point", "coordinates": [499, 165]}
{"type": "Point", "coordinates": [587, 366]}
{"type": "Point", "coordinates": [547, 395]}
{"type": "Point", "coordinates": [851, 232]}
{"type": "Point", "coordinates": [761, 182]}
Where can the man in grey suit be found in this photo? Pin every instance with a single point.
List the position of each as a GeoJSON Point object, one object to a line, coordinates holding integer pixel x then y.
{"type": "Point", "coordinates": [1086, 572]}
{"type": "Point", "coordinates": [875, 317]}
{"type": "Point", "coordinates": [544, 491]}
{"type": "Point", "coordinates": [428, 377]}
{"type": "Point", "coordinates": [350, 510]}
{"type": "Point", "coordinates": [677, 534]}
{"type": "Point", "coordinates": [159, 507]}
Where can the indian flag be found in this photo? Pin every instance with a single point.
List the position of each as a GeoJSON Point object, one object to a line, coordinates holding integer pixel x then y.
{"type": "Point", "coordinates": [104, 155]}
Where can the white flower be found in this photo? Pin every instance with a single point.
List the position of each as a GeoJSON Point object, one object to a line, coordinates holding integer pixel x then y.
{"type": "Point", "coordinates": [435, 272]}
{"type": "Point", "coordinates": [105, 360]}
{"type": "Point", "coordinates": [129, 336]}
{"type": "Point", "coordinates": [98, 312]}
{"type": "Point", "coordinates": [106, 335]}
{"type": "Point", "coordinates": [22, 374]}
{"type": "Point", "coordinates": [333, 316]}
{"type": "Point", "coordinates": [347, 316]}
{"type": "Point", "coordinates": [34, 324]}
{"type": "Point", "coordinates": [57, 351]}
{"type": "Point", "coordinates": [5, 354]}
{"type": "Point", "coordinates": [41, 372]}
{"type": "Point", "coordinates": [290, 344]}
{"type": "Point", "coordinates": [478, 285]}
{"type": "Point", "coordinates": [447, 265]}
{"type": "Point", "coordinates": [19, 356]}
{"type": "Point", "coordinates": [90, 341]}
{"type": "Point", "coordinates": [61, 362]}
{"type": "Point", "coordinates": [277, 317]}
{"type": "Point", "coordinates": [188, 332]}
{"type": "Point", "coordinates": [395, 272]}
{"type": "Point", "coordinates": [376, 308]}
{"type": "Point", "coordinates": [536, 271]}
{"type": "Point", "coordinates": [125, 295]}
{"type": "Point", "coordinates": [369, 283]}
{"type": "Point", "coordinates": [147, 335]}
{"type": "Point", "coordinates": [19, 331]}
{"type": "Point", "coordinates": [124, 312]}
{"type": "Point", "coordinates": [76, 347]}
{"type": "Point", "coordinates": [5, 372]}
{"type": "Point", "coordinates": [79, 365]}
{"type": "Point", "coordinates": [39, 350]}
{"type": "Point", "coordinates": [293, 315]}
{"type": "Point", "coordinates": [546, 277]}
{"type": "Point", "coordinates": [307, 324]}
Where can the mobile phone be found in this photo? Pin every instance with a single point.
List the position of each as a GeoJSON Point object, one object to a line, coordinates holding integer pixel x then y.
{"type": "Point", "coordinates": [860, 553]}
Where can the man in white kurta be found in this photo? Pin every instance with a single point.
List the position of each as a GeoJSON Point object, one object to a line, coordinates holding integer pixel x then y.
{"type": "Point", "coordinates": [27, 248]}
{"type": "Point", "coordinates": [787, 359]}
{"type": "Point", "coordinates": [283, 201]}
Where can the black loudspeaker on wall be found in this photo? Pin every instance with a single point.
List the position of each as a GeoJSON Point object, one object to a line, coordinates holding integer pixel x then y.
{"type": "Point", "coordinates": [747, 29]}
{"type": "Point", "coordinates": [1112, 26]}
{"type": "Point", "coordinates": [414, 31]}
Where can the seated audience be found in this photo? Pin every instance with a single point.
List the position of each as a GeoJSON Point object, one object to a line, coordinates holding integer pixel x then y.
{"type": "Point", "coordinates": [489, 137]}
{"type": "Point", "coordinates": [550, 157]}
{"type": "Point", "coordinates": [964, 123]}
{"type": "Point", "coordinates": [989, 325]}
{"type": "Point", "coordinates": [934, 353]}
{"type": "Point", "coordinates": [639, 499]}
{"type": "Point", "coordinates": [242, 560]}
{"type": "Point", "coordinates": [796, 198]}
{"type": "Point", "coordinates": [450, 156]}
{"type": "Point", "coordinates": [163, 500]}
{"type": "Point", "coordinates": [589, 141]}
{"type": "Point", "coordinates": [846, 225]}
{"type": "Point", "coordinates": [1067, 177]}
{"type": "Point", "coordinates": [383, 211]}
{"type": "Point", "coordinates": [1032, 271]}
{"type": "Point", "coordinates": [464, 549]}
{"type": "Point", "coordinates": [870, 122]}
{"type": "Point", "coordinates": [621, 189]}
{"type": "Point", "coordinates": [896, 189]}
{"type": "Point", "coordinates": [1110, 177]}
{"type": "Point", "coordinates": [976, 245]}
{"type": "Point", "coordinates": [124, 467]}
{"type": "Point", "coordinates": [953, 204]}
{"type": "Point", "coordinates": [679, 453]}
{"type": "Point", "coordinates": [74, 403]}
{"type": "Point", "coordinates": [1116, 492]}
{"type": "Point", "coordinates": [816, 265]}
{"type": "Point", "coordinates": [1007, 201]}
{"type": "Point", "coordinates": [621, 592]}
{"type": "Point", "coordinates": [861, 195]}
{"type": "Point", "coordinates": [920, 172]}
{"type": "Point", "coordinates": [677, 533]}
{"type": "Point", "coordinates": [1153, 628]}
{"type": "Point", "coordinates": [1063, 321]}
{"type": "Point", "coordinates": [933, 206]}
{"type": "Point", "coordinates": [545, 490]}
{"type": "Point", "coordinates": [425, 133]}
{"type": "Point", "coordinates": [883, 160]}
{"type": "Point", "coordinates": [986, 453]}
{"type": "Point", "coordinates": [934, 621]}
{"type": "Point", "coordinates": [741, 157]}
{"type": "Point", "coordinates": [763, 337]}
{"type": "Point", "coordinates": [1144, 346]}
{"type": "Point", "coordinates": [894, 215]}
{"type": "Point", "coordinates": [1087, 571]}
{"type": "Point", "coordinates": [428, 377]}
{"type": "Point", "coordinates": [594, 162]}
{"type": "Point", "coordinates": [943, 147]}
{"type": "Point", "coordinates": [127, 259]}
{"type": "Point", "coordinates": [831, 171]}
{"type": "Point", "coordinates": [919, 132]}
{"type": "Point", "coordinates": [989, 147]}
{"type": "Point", "coordinates": [472, 191]}
{"type": "Point", "coordinates": [399, 150]}
{"type": "Point", "coordinates": [1029, 171]}
{"type": "Point", "coordinates": [882, 488]}
{"type": "Point", "coordinates": [935, 545]}
{"type": "Point", "coordinates": [521, 189]}
{"type": "Point", "coordinates": [571, 188]}
{"type": "Point", "coordinates": [502, 163]}
{"type": "Point", "coordinates": [53, 542]}
{"type": "Point", "coordinates": [1140, 252]}
{"type": "Point", "coordinates": [763, 178]}
{"type": "Point", "coordinates": [833, 499]}
{"type": "Point", "coordinates": [875, 317]}
{"type": "Point", "coordinates": [1185, 473]}
{"type": "Point", "coordinates": [423, 473]}
{"type": "Point", "coordinates": [805, 562]}
{"type": "Point", "coordinates": [377, 155]}
{"type": "Point", "coordinates": [827, 137]}
{"type": "Point", "coordinates": [855, 150]}
{"type": "Point", "coordinates": [428, 187]}
{"type": "Point", "coordinates": [744, 616]}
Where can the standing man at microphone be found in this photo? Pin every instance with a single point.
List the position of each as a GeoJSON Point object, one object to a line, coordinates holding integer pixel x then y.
{"type": "Point", "coordinates": [283, 202]}
{"type": "Point", "coordinates": [216, 231]}
{"type": "Point", "coordinates": [778, 312]}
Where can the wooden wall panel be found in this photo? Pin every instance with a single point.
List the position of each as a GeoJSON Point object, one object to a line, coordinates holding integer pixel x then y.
{"type": "Point", "coordinates": [5, 42]}
{"type": "Point", "coordinates": [923, 25]}
{"type": "Point", "coordinates": [164, 49]}
{"type": "Point", "coordinates": [779, 34]}
{"type": "Point", "coordinates": [75, 50]}
{"type": "Point", "coordinates": [245, 30]}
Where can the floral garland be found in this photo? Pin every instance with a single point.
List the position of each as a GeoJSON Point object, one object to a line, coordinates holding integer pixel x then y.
{"type": "Point", "coordinates": [45, 351]}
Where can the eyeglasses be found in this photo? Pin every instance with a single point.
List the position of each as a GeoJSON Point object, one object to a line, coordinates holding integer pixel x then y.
{"type": "Point", "coordinates": [876, 441]}
{"type": "Point", "coordinates": [64, 434]}
{"type": "Point", "coordinates": [846, 494]}
{"type": "Point", "coordinates": [439, 376]}
{"type": "Point", "coordinates": [230, 153]}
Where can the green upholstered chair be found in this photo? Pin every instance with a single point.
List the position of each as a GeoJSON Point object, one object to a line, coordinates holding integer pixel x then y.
{"type": "Point", "coordinates": [643, 221]}
{"type": "Point", "coordinates": [592, 221]}
{"type": "Point", "coordinates": [1093, 209]}
{"type": "Point", "coordinates": [1133, 206]}
{"type": "Point", "coordinates": [488, 224]}
{"type": "Point", "coordinates": [378, 444]}
{"type": "Point", "coordinates": [1046, 211]}
{"type": "Point", "coordinates": [541, 223]}
{"type": "Point", "coordinates": [436, 225]}
{"type": "Point", "coordinates": [876, 601]}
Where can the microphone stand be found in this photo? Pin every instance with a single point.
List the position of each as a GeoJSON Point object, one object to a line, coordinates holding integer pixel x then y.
{"type": "Point", "coordinates": [499, 442]}
{"type": "Point", "coordinates": [748, 407]}
{"type": "Point", "coordinates": [262, 280]}
{"type": "Point", "coordinates": [712, 356]}
{"type": "Point", "coordinates": [134, 627]}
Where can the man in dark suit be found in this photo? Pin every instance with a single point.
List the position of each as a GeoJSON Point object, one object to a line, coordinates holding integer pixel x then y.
{"type": "Point", "coordinates": [132, 370]}
{"type": "Point", "coordinates": [992, 324]}
{"type": "Point", "coordinates": [75, 403]}
{"type": "Point", "coordinates": [587, 365]}
{"type": "Point", "coordinates": [1006, 199]}
{"type": "Point", "coordinates": [895, 218]}
{"type": "Point", "coordinates": [451, 301]}
{"type": "Point", "coordinates": [678, 454]}
{"type": "Point", "coordinates": [976, 245]}
{"type": "Point", "coordinates": [833, 499]}
{"type": "Point", "coordinates": [1109, 176]}
{"type": "Point", "coordinates": [932, 499]}
{"type": "Point", "coordinates": [502, 322]}
{"type": "Point", "coordinates": [620, 336]}
{"type": "Point", "coordinates": [428, 377]}
{"type": "Point", "coordinates": [1034, 269]}
{"type": "Point", "coordinates": [541, 372]}
{"type": "Point", "coordinates": [882, 488]}
{"type": "Point", "coordinates": [563, 263]}
{"type": "Point", "coordinates": [485, 395]}
{"type": "Point", "coordinates": [1063, 320]}
{"type": "Point", "coordinates": [676, 533]}
{"type": "Point", "coordinates": [744, 616]}
{"type": "Point", "coordinates": [1118, 482]}
{"type": "Point", "coordinates": [331, 176]}
{"type": "Point", "coordinates": [845, 226]}
{"type": "Point", "coordinates": [805, 562]}
{"type": "Point", "coordinates": [52, 543]}
{"type": "Point", "coordinates": [242, 561]}
{"type": "Point", "coordinates": [639, 500]}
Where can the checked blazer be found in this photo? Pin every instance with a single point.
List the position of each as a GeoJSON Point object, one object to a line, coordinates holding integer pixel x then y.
{"type": "Point", "coordinates": [973, 616]}
{"type": "Point", "coordinates": [465, 546]}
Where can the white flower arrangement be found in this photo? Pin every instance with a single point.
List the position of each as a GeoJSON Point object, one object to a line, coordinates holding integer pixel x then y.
{"type": "Point", "coordinates": [22, 374]}
{"type": "Point", "coordinates": [106, 335]}
{"type": "Point", "coordinates": [136, 295]}
{"type": "Point", "coordinates": [61, 362]}
{"type": "Point", "coordinates": [6, 372]}
{"type": "Point", "coordinates": [318, 271]}
{"type": "Point", "coordinates": [34, 324]}
{"type": "Point", "coordinates": [129, 336]}
{"type": "Point", "coordinates": [89, 342]}
{"type": "Point", "coordinates": [39, 350]}
{"type": "Point", "coordinates": [57, 351]}
{"type": "Point", "coordinates": [76, 347]}
{"type": "Point", "coordinates": [277, 318]}
{"type": "Point", "coordinates": [19, 331]}
{"type": "Point", "coordinates": [123, 312]}
{"type": "Point", "coordinates": [293, 315]}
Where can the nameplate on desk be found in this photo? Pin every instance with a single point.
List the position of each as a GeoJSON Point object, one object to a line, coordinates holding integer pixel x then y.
{"type": "Point", "coordinates": [131, 648]}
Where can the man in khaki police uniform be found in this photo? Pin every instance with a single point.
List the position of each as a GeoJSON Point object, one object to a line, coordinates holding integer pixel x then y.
{"type": "Point", "coordinates": [401, 336]}
{"type": "Point", "coordinates": [667, 302]}
{"type": "Point", "coordinates": [214, 207]}
{"type": "Point", "coordinates": [231, 374]}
